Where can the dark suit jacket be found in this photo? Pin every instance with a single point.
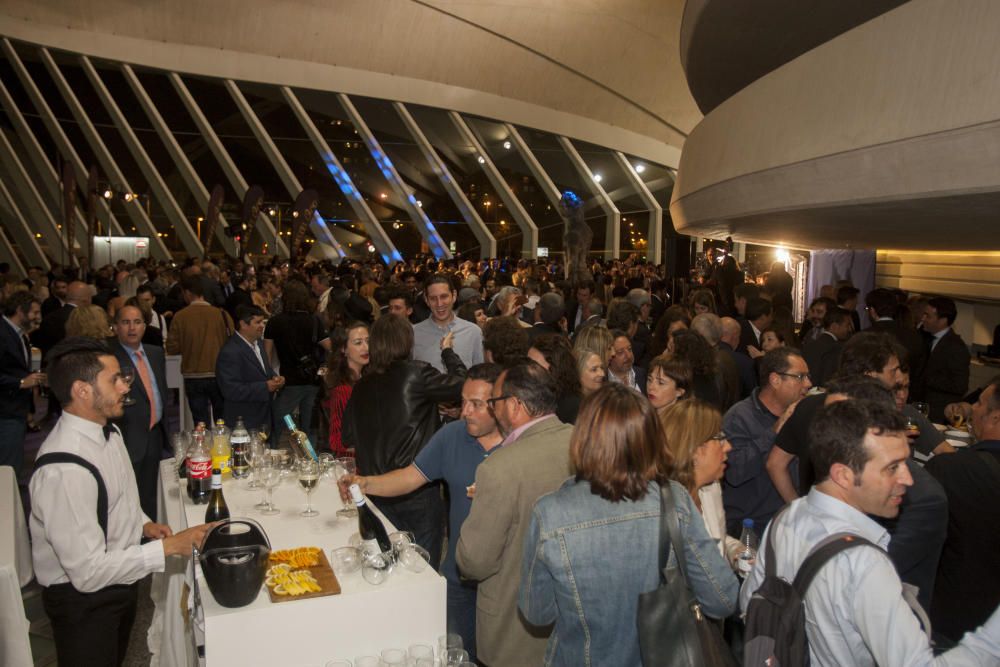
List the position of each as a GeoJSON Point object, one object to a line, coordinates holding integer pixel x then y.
{"type": "Point", "coordinates": [53, 329]}
{"type": "Point", "coordinates": [243, 383]}
{"type": "Point", "coordinates": [916, 348]}
{"type": "Point", "coordinates": [747, 336]}
{"type": "Point", "coordinates": [540, 329]}
{"type": "Point", "coordinates": [656, 309]}
{"type": "Point", "coordinates": [946, 374]}
{"type": "Point", "coordinates": [134, 424]}
{"type": "Point", "coordinates": [745, 367]}
{"type": "Point", "coordinates": [15, 403]}
{"type": "Point", "coordinates": [822, 355]}
{"type": "Point", "coordinates": [238, 298]}
{"type": "Point", "coordinates": [51, 304]}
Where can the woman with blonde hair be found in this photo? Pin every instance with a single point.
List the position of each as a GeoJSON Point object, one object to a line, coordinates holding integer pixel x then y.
{"type": "Point", "coordinates": [592, 350]}
{"type": "Point", "coordinates": [90, 321]}
{"type": "Point", "coordinates": [699, 448]}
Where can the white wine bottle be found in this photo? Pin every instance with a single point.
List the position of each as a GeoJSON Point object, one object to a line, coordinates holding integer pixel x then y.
{"type": "Point", "coordinates": [217, 508]}
{"type": "Point", "coordinates": [374, 539]}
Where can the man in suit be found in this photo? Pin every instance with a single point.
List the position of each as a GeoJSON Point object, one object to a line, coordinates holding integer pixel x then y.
{"type": "Point", "coordinates": [881, 306]}
{"type": "Point", "coordinates": [141, 423]}
{"type": "Point", "coordinates": [728, 343]}
{"type": "Point", "coordinates": [759, 316]}
{"type": "Point", "coordinates": [240, 294]}
{"type": "Point", "coordinates": [822, 354]}
{"type": "Point", "coordinates": [21, 313]}
{"type": "Point", "coordinates": [967, 589]}
{"type": "Point", "coordinates": [245, 377]}
{"type": "Point", "coordinates": [57, 296]}
{"type": "Point", "coordinates": [532, 461]}
{"type": "Point", "coordinates": [658, 301]}
{"type": "Point", "coordinates": [53, 327]}
{"type": "Point", "coordinates": [709, 327]}
{"type": "Point", "coordinates": [946, 375]}
{"type": "Point", "coordinates": [575, 315]}
{"type": "Point", "coordinates": [813, 326]}
{"type": "Point", "coordinates": [550, 316]}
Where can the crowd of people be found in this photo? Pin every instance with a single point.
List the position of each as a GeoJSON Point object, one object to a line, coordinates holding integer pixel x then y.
{"type": "Point", "coordinates": [524, 429]}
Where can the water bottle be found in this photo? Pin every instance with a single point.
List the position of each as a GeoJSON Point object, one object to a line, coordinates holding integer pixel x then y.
{"type": "Point", "coordinates": [748, 555]}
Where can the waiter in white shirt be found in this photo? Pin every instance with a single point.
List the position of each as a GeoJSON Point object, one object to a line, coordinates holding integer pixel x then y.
{"type": "Point", "coordinates": [86, 522]}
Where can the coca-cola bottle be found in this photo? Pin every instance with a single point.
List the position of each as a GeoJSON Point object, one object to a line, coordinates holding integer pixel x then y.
{"type": "Point", "coordinates": [199, 468]}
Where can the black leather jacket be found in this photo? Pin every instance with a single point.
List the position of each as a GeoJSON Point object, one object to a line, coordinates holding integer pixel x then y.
{"type": "Point", "coordinates": [391, 416]}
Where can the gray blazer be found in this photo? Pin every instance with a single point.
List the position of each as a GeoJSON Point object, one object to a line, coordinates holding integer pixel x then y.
{"type": "Point", "coordinates": [508, 484]}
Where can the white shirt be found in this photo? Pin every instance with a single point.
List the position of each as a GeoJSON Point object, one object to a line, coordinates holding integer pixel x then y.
{"type": "Point", "coordinates": [756, 331]}
{"type": "Point", "coordinates": [629, 380]}
{"type": "Point", "coordinates": [255, 346]}
{"type": "Point", "coordinates": [855, 612]}
{"type": "Point", "coordinates": [67, 542]}
{"type": "Point", "coordinates": [938, 336]}
{"type": "Point", "coordinates": [713, 511]}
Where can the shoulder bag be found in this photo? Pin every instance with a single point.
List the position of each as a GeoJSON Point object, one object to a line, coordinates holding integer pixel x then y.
{"type": "Point", "coordinates": [672, 628]}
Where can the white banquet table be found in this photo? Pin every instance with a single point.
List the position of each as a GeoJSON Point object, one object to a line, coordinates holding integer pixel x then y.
{"type": "Point", "coordinates": [15, 572]}
{"type": "Point", "coordinates": [364, 619]}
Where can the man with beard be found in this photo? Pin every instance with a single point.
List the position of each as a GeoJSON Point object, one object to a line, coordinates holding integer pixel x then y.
{"type": "Point", "coordinates": [427, 335]}
{"type": "Point", "coordinates": [86, 521]}
{"type": "Point", "coordinates": [452, 454]}
{"type": "Point", "coordinates": [21, 315]}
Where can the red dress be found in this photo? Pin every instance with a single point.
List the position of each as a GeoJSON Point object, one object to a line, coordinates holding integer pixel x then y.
{"type": "Point", "coordinates": [335, 403]}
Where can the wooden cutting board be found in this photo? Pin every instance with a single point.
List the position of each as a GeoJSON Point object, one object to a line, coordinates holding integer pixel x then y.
{"type": "Point", "coordinates": [324, 577]}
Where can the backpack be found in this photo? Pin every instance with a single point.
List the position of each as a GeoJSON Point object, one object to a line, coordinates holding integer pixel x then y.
{"type": "Point", "coordinates": [775, 633]}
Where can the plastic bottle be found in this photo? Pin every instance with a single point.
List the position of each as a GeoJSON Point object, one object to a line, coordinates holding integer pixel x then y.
{"type": "Point", "coordinates": [240, 441]}
{"type": "Point", "coordinates": [199, 468]}
{"type": "Point", "coordinates": [222, 451]}
{"type": "Point", "coordinates": [748, 555]}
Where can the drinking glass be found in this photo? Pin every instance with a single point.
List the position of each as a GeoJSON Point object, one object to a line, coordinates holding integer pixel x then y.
{"type": "Point", "coordinates": [399, 540]}
{"type": "Point", "coordinates": [428, 662]}
{"type": "Point", "coordinates": [308, 478]}
{"type": "Point", "coordinates": [338, 663]}
{"type": "Point", "coordinates": [327, 464]}
{"type": "Point", "coordinates": [414, 558]}
{"type": "Point", "coordinates": [345, 560]}
{"type": "Point", "coordinates": [393, 656]}
{"type": "Point", "coordinates": [420, 651]}
{"type": "Point", "coordinates": [376, 568]}
{"type": "Point", "coordinates": [450, 640]}
{"type": "Point", "coordinates": [271, 477]}
{"type": "Point", "coordinates": [366, 661]}
{"type": "Point", "coordinates": [128, 377]}
{"type": "Point", "coordinates": [455, 656]}
{"type": "Point", "coordinates": [256, 453]}
{"type": "Point", "coordinates": [179, 445]}
{"type": "Point", "coordinates": [347, 467]}
{"type": "Point", "coordinates": [922, 408]}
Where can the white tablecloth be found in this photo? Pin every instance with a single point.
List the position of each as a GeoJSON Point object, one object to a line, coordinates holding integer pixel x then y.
{"type": "Point", "coordinates": [15, 571]}
{"type": "Point", "coordinates": [364, 619]}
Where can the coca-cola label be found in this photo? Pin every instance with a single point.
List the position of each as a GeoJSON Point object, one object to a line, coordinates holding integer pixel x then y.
{"type": "Point", "coordinates": [199, 468]}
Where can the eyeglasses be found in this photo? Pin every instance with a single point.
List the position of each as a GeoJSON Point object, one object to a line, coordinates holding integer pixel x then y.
{"type": "Point", "coordinates": [492, 402]}
{"type": "Point", "coordinates": [798, 376]}
{"type": "Point", "coordinates": [721, 435]}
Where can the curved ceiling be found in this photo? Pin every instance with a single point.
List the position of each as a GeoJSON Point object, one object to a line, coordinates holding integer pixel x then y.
{"type": "Point", "coordinates": [728, 44]}
{"type": "Point", "coordinates": [602, 71]}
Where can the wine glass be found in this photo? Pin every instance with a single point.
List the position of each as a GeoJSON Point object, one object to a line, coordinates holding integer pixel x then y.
{"type": "Point", "coordinates": [271, 477]}
{"type": "Point", "coordinates": [128, 377]}
{"type": "Point", "coordinates": [922, 408]}
{"type": "Point", "coordinates": [256, 453]}
{"type": "Point", "coordinates": [347, 466]}
{"type": "Point", "coordinates": [308, 478]}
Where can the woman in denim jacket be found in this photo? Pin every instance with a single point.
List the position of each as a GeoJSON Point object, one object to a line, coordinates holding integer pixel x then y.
{"type": "Point", "coordinates": [591, 547]}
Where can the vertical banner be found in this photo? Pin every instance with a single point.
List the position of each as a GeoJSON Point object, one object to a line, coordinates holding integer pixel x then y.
{"type": "Point", "coordinates": [69, 208]}
{"type": "Point", "coordinates": [212, 215]}
{"type": "Point", "coordinates": [252, 201]}
{"type": "Point", "coordinates": [305, 206]}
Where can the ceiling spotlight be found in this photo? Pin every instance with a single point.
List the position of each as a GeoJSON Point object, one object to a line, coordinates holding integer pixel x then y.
{"type": "Point", "coordinates": [420, 204]}
{"type": "Point", "coordinates": [371, 248]}
{"type": "Point", "coordinates": [503, 223]}
{"type": "Point", "coordinates": [598, 178]}
{"type": "Point", "coordinates": [639, 168]}
{"type": "Point", "coordinates": [781, 255]}
{"type": "Point", "coordinates": [384, 195]}
{"type": "Point", "coordinates": [108, 194]}
{"type": "Point", "coordinates": [396, 225]}
{"type": "Point", "coordinates": [129, 196]}
{"type": "Point", "coordinates": [481, 159]}
{"type": "Point", "coordinates": [506, 145]}
{"type": "Point", "coordinates": [295, 214]}
{"type": "Point", "coordinates": [271, 212]}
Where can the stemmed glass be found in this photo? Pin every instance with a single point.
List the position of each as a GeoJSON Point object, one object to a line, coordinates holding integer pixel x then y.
{"type": "Point", "coordinates": [308, 478]}
{"type": "Point", "coordinates": [270, 475]}
{"type": "Point", "coordinates": [256, 453]}
{"type": "Point", "coordinates": [128, 377]}
{"type": "Point", "coordinates": [346, 466]}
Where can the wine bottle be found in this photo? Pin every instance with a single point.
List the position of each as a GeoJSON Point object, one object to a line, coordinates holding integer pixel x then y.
{"type": "Point", "coordinates": [217, 508]}
{"type": "Point", "coordinates": [301, 439]}
{"type": "Point", "coordinates": [373, 535]}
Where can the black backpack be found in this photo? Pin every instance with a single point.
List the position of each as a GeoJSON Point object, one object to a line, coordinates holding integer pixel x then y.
{"type": "Point", "coordinates": [776, 619]}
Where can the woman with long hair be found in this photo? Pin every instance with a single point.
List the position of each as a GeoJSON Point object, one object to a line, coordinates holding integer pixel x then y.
{"type": "Point", "coordinates": [699, 448]}
{"type": "Point", "coordinates": [706, 382]}
{"type": "Point", "coordinates": [592, 546]}
{"type": "Point", "coordinates": [347, 361]}
{"type": "Point", "coordinates": [393, 412]}
{"type": "Point", "coordinates": [673, 320]}
{"type": "Point", "coordinates": [702, 301]}
{"type": "Point", "coordinates": [554, 353]}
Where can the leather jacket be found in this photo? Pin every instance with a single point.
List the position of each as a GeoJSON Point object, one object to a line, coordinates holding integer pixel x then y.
{"type": "Point", "coordinates": [391, 416]}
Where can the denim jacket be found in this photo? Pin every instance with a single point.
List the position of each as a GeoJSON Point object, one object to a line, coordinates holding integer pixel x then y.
{"type": "Point", "coordinates": [587, 560]}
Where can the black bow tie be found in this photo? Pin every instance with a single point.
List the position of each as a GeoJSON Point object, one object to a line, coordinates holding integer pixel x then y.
{"type": "Point", "coordinates": [108, 431]}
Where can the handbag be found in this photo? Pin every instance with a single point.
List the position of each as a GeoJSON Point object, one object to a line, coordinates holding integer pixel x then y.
{"type": "Point", "coordinates": [672, 628]}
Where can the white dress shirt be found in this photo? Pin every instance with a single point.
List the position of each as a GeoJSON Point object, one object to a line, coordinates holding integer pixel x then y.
{"type": "Point", "coordinates": [713, 511]}
{"type": "Point", "coordinates": [938, 336]}
{"type": "Point", "coordinates": [67, 542]}
{"type": "Point", "coordinates": [855, 612]}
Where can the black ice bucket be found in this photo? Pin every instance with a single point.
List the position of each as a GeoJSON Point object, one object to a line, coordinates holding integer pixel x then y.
{"type": "Point", "coordinates": [234, 561]}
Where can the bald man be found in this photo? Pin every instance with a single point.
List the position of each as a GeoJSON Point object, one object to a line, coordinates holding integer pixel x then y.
{"type": "Point", "coordinates": [729, 342]}
{"type": "Point", "coordinates": [53, 328]}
